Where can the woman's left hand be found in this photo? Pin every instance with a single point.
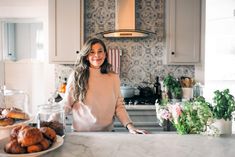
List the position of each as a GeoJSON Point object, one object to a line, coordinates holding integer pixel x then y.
{"type": "Point", "coordinates": [134, 130]}
{"type": "Point", "coordinates": [138, 131]}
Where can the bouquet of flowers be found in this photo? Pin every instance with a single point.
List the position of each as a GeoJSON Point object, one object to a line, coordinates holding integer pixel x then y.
{"type": "Point", "coordinates": [190, 117]}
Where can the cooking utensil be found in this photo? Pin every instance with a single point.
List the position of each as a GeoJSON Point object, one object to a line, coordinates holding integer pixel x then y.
{"type": "Point", "coordinates": [127, 91]}
{"type": "Point", "coordinates": [146, 91]}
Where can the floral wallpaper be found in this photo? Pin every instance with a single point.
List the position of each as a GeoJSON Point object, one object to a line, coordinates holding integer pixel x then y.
{"type": "Point", "coordinates": [142, 59]}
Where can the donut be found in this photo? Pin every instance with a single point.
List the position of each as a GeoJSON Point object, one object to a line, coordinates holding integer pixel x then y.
{"type": "Point", "coordinates": [13, 147]}
{"type": "Point", "coordinates": [48, 133]}
{"type": "Point", "coordinates": [55, 125]}
{"type": "Point", "coordinates": [45, 143]}
{"type": "Point", "coordinates": [29, 136]}
{"type": "Point", "coordinates": [15, 113]}
{"type": "Point", "coordinates": [15, 131]}
{"type": "Point", "coordinates": [58, 127]}
{"type": "Point", "coordinates": [34, 148]}
{"type": "Point", "coordinates": [5, 121]}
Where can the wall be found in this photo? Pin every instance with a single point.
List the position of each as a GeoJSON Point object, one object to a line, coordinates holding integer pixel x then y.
{"type": "Point", "coordinates": [33, 76]}
{"type": "Point", "coordinates": [142, 59]}
{"type": "Point", "coordinates": [23, 8]}
{"type": "Point", "coordinates": [1, 60]}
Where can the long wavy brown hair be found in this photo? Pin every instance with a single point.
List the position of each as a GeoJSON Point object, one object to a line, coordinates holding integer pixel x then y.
{"type": "Point", "coordinates": [81, 70]}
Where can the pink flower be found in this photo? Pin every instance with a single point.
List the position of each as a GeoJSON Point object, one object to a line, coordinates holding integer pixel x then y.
{"type": "Point", "coordinates": [176, 110]}
{"type": "Point", "coordinates": [165, 114]}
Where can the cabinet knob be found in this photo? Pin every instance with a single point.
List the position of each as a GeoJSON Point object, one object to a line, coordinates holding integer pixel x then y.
{"type": "Point", "coordinates": [77, 52]}
{"type": "Point", "coordinates": [172, 53]}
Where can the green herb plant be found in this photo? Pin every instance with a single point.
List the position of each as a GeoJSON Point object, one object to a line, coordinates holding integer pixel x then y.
{"type": "Point", "coordinates": [224, 105]}
{"type": "Point", "coordinates": [173, 86]}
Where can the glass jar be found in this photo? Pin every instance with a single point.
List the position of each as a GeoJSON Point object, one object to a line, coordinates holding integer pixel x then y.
{"type": "Point", "coordinates": [14, 98]}
{"type": "Point", "coordinates": [197, 90]}
{"type": "Point", "coordinates": [51, 115]}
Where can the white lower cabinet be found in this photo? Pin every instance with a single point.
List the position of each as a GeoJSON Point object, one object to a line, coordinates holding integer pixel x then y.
{"type": "Point", "coordinates": [65, 30]}
{"type": "Point", "coordinates": [183, 31]}
{"type": "Point", "coordinates": [143, 117]}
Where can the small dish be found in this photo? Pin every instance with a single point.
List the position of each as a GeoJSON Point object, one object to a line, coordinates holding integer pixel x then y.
{"type": "Point", "coordinates": [18, 122]}
{"type": "Point", "coordinates": [6, 130]}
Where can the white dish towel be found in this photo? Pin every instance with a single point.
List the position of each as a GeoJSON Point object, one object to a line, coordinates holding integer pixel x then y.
{"type": "Point", "coordinates": [114, 59]}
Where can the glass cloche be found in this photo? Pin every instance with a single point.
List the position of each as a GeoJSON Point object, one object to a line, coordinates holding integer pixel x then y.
{"type": "Point", "coordinates": [13, 110]}
{"type": "Point", "coordinates": [14, 98]}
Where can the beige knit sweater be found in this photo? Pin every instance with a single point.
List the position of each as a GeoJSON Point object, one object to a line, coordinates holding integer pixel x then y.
{"type": "Point", "coordinates": [102, 103]}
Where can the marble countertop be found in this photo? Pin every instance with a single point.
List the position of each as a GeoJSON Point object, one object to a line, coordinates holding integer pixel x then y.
{"type": "Point", "coordinates": [163, 144]}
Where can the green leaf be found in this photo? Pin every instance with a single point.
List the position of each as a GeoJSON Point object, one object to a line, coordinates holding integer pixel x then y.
{"type": "Point", "coordinates": [224, 104]}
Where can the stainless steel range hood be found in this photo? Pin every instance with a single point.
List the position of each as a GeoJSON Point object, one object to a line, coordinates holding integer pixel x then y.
{"type": "Point", "coordinates": [125, 22]}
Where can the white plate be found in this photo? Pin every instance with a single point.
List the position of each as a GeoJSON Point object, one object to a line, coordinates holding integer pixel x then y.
{"type": "Point", "coordinates": [19, 122]}
{"type": "Point", "coordinates": [59, 142]}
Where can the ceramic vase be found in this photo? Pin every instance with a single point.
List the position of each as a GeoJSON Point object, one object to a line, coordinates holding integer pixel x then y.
{"type": "Point", "coordinates": [168, 126]}
{"type": "Point", "coordinates": [224, 126]}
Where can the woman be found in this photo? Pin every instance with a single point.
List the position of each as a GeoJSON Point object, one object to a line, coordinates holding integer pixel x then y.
{"type": "Point", "coordinates": [93, 92]}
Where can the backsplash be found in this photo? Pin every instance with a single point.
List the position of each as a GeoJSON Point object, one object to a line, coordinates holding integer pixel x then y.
{"type": "Point", "coordinates": [141, 59]}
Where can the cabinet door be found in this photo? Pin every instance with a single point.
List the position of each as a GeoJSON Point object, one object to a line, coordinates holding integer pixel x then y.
{"type": "Point", "coordinates": [183, 29]}
{"type": "Point", "coordinates": [65, 30]}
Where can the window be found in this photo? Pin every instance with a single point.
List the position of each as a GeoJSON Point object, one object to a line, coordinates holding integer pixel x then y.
{"type": "Point", "coordinates": [220, 46]}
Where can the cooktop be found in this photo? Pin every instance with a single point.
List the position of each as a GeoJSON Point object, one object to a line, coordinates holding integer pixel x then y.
{"type": "Point", "coordinates": [139, 100]}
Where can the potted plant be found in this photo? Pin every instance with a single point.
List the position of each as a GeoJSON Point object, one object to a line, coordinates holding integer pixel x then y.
{"type": "Point", "coordinates": [222, 108]}
{"type": "Point", "coordinates": [195, 117]}
{"type": "Point", "coordinates": [189, 117]}
{"type": "Point", "coordinates": [173, 87]}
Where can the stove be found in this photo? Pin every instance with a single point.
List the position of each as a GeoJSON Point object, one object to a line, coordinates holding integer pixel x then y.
{"type": "Point", "coordinates": [139, 100]}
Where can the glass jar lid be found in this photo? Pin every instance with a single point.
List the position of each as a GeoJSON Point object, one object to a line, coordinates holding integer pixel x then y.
{"type": "Point", "coordinates": [50, 108]}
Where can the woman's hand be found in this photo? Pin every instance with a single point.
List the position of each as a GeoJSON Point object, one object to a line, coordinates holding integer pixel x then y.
{"type": "Point", "coordinates": [134, 130]}
{"type": "Point", "coordinates": [138, 131]}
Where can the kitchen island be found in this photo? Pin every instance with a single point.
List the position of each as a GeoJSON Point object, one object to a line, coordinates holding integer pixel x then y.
{"type": "Point", "coordinates": [159, 144]}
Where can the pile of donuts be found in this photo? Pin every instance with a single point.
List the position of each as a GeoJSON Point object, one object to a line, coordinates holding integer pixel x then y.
{"type": "Point", "coordinates": [8, 116]}
{"type": "Point", "coordinates": [27, 139]}
{"type": "Point", "coordinates": [55, 125]}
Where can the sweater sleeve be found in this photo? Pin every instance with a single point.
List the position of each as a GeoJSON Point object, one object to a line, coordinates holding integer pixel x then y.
{"type": "Point", "coordinates": [68, 100]}
{"type": "Point", "coordinates": [120, 110]}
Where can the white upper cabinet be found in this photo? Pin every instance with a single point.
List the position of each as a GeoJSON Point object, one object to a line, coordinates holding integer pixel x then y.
{"type": "Point", "coordinates": [183, 31]}
{"type": "Point", "coordinates": [65, 30]}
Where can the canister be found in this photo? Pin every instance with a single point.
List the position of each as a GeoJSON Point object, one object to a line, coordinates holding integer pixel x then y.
{"type": "Point", "coordinates": [197, 90]}
{"type": "Point", "coordinates": [51, 115]}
